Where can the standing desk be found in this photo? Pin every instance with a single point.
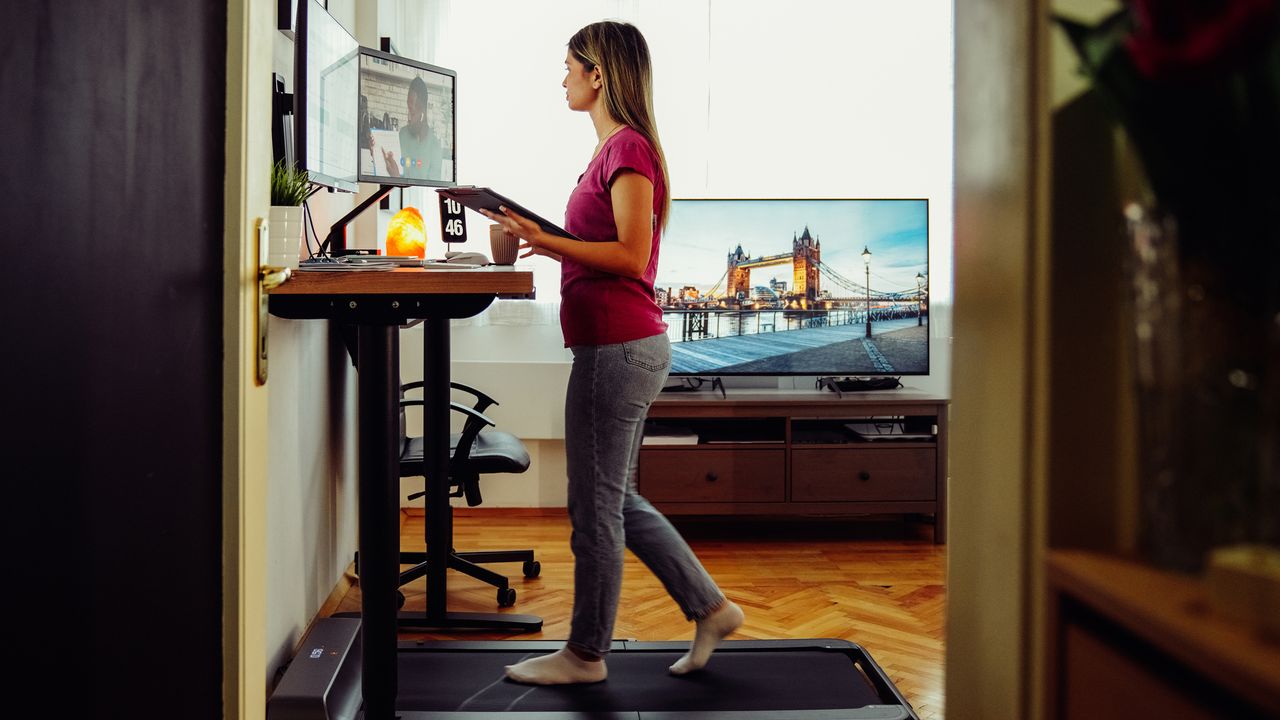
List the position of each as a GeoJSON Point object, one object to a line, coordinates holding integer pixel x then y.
{"type": "Point", "coordinates": [378, 303]}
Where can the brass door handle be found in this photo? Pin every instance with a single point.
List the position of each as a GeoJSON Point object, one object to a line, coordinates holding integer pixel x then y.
{"type": "Point", "coordinates": [269, 277]}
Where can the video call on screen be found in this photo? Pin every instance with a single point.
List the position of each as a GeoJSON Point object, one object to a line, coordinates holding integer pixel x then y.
{"type": "Point", "coordinates": [406, 121]}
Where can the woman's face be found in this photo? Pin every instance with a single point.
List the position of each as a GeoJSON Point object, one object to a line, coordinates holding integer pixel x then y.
{"type": "Point", "coordinates": [581, 86]}
{"type": "Point", "coordinates": [416, 111]}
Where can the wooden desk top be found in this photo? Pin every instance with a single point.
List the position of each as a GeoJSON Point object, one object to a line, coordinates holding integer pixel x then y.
{"type": "Point", "coordinates": [500, 279]}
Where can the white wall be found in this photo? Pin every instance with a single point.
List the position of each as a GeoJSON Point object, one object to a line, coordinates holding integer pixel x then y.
{"type": "Point", "coordinates": [311, 497]}
{"type": "Point", "coordinates": [753, 99]}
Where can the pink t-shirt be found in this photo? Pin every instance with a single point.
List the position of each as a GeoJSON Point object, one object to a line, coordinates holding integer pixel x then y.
{"type": "Point", "coordinates": [598, 307]}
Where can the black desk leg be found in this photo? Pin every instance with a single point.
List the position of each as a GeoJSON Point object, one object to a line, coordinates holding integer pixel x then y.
{"type": "Point", "coordinates": [435, 456]}
{"type": "Point", "coordinates": [378, 383]}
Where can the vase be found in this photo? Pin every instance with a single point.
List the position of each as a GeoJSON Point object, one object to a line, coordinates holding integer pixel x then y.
{"type": "Point", "coordinates": [284, 236]}
{"type": "Point", "coordinates": [1206, 348]}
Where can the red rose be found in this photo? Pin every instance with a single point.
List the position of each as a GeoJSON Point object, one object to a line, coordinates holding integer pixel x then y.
{"type": "Point", "coordinates": [1176, 38]}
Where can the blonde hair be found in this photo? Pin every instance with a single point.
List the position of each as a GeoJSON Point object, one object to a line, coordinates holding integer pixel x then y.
{"type": "Point", "coordinates": [623, 55]}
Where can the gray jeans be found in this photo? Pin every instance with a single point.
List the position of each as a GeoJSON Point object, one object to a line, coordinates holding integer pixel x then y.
{"type": "Point", "coordinates": [610, 389]}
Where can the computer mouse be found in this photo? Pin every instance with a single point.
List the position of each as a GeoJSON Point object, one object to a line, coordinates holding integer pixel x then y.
{"type": "Point", "coordinates": [467, 258]}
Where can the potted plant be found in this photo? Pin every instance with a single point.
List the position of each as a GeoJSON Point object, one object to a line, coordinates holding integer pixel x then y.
{"type": "Point", "coordinates": [289, 189]}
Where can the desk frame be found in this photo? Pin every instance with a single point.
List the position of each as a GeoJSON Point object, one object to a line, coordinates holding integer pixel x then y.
{"type": "Point", "coordinates": [378, 303]}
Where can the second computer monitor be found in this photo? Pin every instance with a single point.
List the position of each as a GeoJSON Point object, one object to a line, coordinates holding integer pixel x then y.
{"type": "Point", "coordinates": [326, 77]}
{"type": "Point", "coordinates": [407, 121]}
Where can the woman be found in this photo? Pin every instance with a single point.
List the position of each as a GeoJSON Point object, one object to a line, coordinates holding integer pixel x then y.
{"type": "Point", "coordinates": [620, 358]}
{"type": "Point", "coordinates": [421, 155]}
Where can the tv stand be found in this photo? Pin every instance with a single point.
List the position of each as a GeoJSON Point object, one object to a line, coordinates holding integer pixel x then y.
{"type": "Point", "coordinates": [797, 453]}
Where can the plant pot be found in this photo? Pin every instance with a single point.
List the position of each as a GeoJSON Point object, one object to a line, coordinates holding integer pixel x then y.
{"type": "Point", "coordinates": [284, 236]}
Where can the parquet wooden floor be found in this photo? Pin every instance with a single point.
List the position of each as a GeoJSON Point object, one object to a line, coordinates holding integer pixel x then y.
{"type": "Point", "coordinates": [879, 583]}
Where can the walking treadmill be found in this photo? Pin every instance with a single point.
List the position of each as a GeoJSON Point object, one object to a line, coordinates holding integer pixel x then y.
{"type": "Point", "coordinates": [464, 680]}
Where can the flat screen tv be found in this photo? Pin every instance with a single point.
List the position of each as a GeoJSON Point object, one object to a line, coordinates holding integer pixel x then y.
{"type": "Point", "coordinates": [824, 287]}
{"type": "Point", "coordinates": [408, 112]}
{"type": "Point", "coordinates": [325, 95]}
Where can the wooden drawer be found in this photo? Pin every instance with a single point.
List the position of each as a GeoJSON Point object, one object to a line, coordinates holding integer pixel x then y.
{"type": "Point", "coordinates": [737, 475]}
{"type": "Point", "coordinates": [1101, 680]}
{"type": "Point", "coordinates": [863, 474]}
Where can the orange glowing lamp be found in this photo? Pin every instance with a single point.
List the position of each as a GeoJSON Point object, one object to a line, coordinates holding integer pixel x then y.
{"type": "Point", "coordinates": [407, 234]}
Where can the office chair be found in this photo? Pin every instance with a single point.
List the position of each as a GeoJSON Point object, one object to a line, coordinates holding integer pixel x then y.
{"type": "Point", "coordinates": [472, 453]}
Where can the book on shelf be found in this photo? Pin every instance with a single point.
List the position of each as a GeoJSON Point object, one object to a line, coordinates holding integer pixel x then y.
{"type": "Point", "coordinates": [669, 435]}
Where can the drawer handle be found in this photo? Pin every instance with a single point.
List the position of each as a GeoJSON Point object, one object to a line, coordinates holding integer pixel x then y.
{"type": "Point", "coordinates": [712, 477]}
{"type": "Point", "coordinates": [863, 475]}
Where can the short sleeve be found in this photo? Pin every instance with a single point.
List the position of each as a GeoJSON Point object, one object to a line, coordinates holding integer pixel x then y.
{"type": "Point", "coordinates": [631, 153]}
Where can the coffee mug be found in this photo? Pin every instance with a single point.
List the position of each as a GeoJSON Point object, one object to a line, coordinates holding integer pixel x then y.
{"type": "Point", "coordinates": [504, 247]}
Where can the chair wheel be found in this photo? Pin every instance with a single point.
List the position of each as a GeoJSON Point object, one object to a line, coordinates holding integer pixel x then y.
{"type": "Point", "coordinates": [532, 568]}
{"type": "Point", "coordinates": [399, 599]}
{"type": "Point", "coordinates": [506, 597]}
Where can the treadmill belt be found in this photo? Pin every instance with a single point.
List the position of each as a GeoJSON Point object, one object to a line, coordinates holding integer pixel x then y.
{"type": "Point", "coordinates": [638, 681]}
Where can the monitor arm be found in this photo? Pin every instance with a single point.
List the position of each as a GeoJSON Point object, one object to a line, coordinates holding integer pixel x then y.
{"type": "Point", "coordinates": [336, 242]}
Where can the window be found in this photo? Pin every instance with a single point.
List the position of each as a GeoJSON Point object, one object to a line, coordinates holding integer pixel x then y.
{"type": "Point", "coordinates": [753, 99]}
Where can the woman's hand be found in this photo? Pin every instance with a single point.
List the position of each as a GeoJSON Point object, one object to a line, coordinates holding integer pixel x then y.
{"type": "Point", "coordinates": [530, 250]}
{"type": "Point", "coordinates": [393, 169]}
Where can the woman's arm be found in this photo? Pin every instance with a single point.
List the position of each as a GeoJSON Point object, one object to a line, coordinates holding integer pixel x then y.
{"type": "Point", "coordinates": [632, 197]}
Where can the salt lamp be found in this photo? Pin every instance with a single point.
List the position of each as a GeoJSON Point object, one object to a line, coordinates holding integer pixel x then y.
{"type": "Point", "coordinates": [407, 234]}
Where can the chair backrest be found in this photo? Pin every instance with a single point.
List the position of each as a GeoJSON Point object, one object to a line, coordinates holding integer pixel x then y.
{"type": "Point", "coordinates": [474, 452]}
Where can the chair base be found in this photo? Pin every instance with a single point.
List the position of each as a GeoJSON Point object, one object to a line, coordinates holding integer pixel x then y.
{"type": "Point", "coordinates": [466, 563]}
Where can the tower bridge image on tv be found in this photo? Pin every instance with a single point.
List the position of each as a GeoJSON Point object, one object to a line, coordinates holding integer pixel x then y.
{"type": "Point", "coordinates": [822, 322]}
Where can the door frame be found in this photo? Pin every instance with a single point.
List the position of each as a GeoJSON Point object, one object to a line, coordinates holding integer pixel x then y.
{"type": "Point", "coordinates": [250, 33]}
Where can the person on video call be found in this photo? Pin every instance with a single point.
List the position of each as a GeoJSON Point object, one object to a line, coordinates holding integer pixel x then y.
{"type": "Point", "coordinates": [421, 154]}
{"type": "Point", "coordinates": [621, 357]}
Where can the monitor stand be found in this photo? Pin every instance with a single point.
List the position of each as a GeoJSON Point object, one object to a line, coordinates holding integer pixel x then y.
{"type": "Point", "coordinates": [336, 242]}
{"type": "Point", "coordinates": [694, 384]}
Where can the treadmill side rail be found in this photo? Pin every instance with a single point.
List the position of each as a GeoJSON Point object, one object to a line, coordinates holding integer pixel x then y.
{"type": "Point", "coordinates": [867, 712]}
{"type": "Point", "coordinates": [323, 680]}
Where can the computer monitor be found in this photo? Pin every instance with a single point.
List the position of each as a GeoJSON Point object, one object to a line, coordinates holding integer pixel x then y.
{"type": "Point", "coordinates": [325, 93]}
{"type": "Point", "coordinates": [407, 121]}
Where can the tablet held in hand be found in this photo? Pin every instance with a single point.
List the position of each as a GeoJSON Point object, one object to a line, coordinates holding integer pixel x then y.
{"type": "Point", "coordinates": [483, 198]}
